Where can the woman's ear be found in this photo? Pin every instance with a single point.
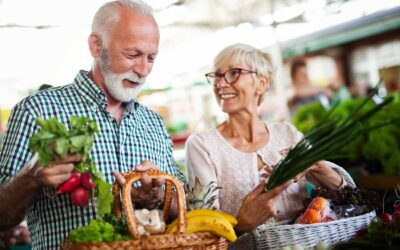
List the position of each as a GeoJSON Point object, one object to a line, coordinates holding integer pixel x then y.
{"type": "Point", "coordinates": [95, 44]}
{"type": "Point", "coordinates": [263, 85]}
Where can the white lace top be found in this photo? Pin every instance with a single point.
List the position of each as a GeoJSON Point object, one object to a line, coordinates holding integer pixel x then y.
{"type": "Point", "coordinates": [213, 159]}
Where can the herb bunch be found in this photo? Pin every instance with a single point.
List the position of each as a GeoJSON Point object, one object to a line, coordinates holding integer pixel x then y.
{"type": "Point", "coordinates": [55, 140]}
{"type": "Point", "coordinates": [324, 141]}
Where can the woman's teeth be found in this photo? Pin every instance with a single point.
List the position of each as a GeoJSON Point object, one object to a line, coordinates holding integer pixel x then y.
{"type": "Point", "coordinates": [227, 96]}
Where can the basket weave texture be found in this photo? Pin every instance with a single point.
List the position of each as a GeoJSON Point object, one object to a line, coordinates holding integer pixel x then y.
{"type": "Point", "coordinates": [179, 240]}
{"type": "Point", "coordinates": [308, 236]}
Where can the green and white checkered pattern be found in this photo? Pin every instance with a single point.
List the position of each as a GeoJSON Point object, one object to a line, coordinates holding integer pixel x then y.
{"type": "Point", "coordinates": [140, 136]}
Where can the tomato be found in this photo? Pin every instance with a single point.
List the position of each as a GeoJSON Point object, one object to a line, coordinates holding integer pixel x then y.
{"type": "Point", "coordinates": [319, 203]}
{"type": "Point", "coordinates": [310, 216]}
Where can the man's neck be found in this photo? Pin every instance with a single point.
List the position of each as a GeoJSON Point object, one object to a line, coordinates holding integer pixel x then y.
{"type": "Point", "coordinates": [114, 106]}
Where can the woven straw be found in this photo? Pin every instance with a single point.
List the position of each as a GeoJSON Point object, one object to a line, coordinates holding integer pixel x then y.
{"type": "Point", "coordinates": [308, 236]}
{"type": "Point", "coordinates": [179, 240]}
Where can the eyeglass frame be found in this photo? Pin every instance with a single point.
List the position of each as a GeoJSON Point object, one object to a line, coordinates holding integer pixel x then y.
{"type": "Point", "coordinates": [222, 75]}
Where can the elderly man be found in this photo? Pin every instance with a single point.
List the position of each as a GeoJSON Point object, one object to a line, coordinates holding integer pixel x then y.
{"type": "Point", "coordinates": [124, 44]}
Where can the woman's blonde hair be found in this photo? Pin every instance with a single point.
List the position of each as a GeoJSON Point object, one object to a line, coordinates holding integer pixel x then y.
{"type": "Point", "coordinates": [254, 58]}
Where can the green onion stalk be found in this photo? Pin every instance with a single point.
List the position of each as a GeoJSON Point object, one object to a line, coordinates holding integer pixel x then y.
{"type": "Point", "coordinates": [325, 140]}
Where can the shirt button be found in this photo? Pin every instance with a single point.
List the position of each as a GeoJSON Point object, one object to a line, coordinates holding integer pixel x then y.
{"type": "Point", "coordinates": [110, 119]}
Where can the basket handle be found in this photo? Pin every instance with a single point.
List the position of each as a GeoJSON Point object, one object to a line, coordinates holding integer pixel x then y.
{"type": "Point", "coordinates": [132, 177]}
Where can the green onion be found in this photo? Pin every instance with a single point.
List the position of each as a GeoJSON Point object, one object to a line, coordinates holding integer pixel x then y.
{"type": "Point", "coordinates": [324, 141]}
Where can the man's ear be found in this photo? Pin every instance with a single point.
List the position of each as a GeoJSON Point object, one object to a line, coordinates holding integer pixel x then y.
{"type": "Point", "coordinates": [95, 44]}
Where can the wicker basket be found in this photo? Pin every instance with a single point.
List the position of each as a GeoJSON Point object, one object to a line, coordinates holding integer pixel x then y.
{"type": "Point", "coordinates": [308, 236]}
{"type": "Point", "coordinates": [179, 240]}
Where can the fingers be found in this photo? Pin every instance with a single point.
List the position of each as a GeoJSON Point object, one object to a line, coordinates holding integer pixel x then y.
{"type": "Point", "coordinates": [158, 182]}
{"type": "Point", "coordinates": [255, 192]}
{"type": "Point", "coordinates": [268, 169]}
{"type": "Point", "coordinates": [119, 177]}
{"type": "Point", "coordinates": [147, 183]}
{"type": "Point", "coordinates": [145, 166]}
{"type": "Point", "coordinates": [51, 176]}
{"type": "Point", "coordinates": [276, 191]}
{"type": "Point", "coordinates": [71, 158]}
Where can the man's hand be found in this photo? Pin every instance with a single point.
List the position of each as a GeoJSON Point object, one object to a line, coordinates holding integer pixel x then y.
{"type": "Point", "coordinates": [149, 194]}
{"type": "Point", "coordinates": [56, 173]}
{"type": "Point", "coordinates": [16, 235]}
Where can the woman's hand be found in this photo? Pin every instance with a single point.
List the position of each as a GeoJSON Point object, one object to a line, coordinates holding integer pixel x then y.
{"type": "Point", "coordinates": [257, 207]}
{"type": "Point", "coordinates": [149, 194]}
{"type": "Point", "coordinates": [326, 176]}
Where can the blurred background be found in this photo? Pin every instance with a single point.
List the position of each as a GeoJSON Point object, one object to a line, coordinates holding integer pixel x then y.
{"type": "Point", "coordinates": [333, 50]}
{"type": "Point", "coordinates": [345, 46]}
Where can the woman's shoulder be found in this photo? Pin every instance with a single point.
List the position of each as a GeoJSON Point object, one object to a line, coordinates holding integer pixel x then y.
{"type": "Point", "coordinates": [281, 126]}
{"type": "Point", "coordinates": [202, 136]}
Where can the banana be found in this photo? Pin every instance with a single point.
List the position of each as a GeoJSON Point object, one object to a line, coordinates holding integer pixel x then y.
{"type": "Point", "coordinates": [211, 212]}
{"type": "Point", "coordinates": [206, 223]}
{"type": "Point", "coordinates": [206, 212]}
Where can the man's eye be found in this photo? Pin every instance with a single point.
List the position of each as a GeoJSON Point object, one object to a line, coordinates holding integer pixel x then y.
{"type": "Point", "coordinates": [151, 59]}
{"type": "Point", "coordinates": [131, 56]}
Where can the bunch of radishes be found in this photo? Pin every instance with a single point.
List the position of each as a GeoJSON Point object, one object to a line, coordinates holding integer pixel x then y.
{"type": "Point", "coordinates": [388, 218]}
{"type": "Point", "coordinates": [79, 186]}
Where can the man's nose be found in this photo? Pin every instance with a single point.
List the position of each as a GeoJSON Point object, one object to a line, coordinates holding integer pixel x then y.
{"type": "Point", "coordinates": [142, 68]}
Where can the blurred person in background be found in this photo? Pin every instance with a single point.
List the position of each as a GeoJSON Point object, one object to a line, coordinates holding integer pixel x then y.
{"type": "Point", "coordinates": [304, 91]}
{"type": "Point", "coordinates": [240, 152]}
{"type": "Point", "coordinates": [124, 44]}
{"type": "Point", "coordinates": [18, 235]}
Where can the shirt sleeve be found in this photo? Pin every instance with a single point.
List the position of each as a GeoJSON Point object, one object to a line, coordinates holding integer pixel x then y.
{"type": "Point", "coordinates": [15, 152]}
{"type": "Point", "coordinates": [199, 167]}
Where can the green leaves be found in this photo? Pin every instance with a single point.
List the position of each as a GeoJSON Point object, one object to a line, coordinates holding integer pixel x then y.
{"type": "Point", "coordinates": [53, 139]}
{"type": "Point", "coordinates": [324, 141]}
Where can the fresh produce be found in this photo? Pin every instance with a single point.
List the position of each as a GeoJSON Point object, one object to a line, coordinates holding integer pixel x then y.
{"type": "Point", "coordinates": [54, 140]}
{"type": "Point", "coordinates": [86, 180]}
{"type": "Point", "coordinates": [80, 197]}
{"type": "Point", "coordinates": [97, 231]}
{"type": "Point", "coordinates": [209, 212]}
{"type": "Point", "coordinates": [206, 220]}
{"type": "Point", "coordinates": [324, 141]}
{"type": "Point", "coordinates": [384, 233]}
{"type": "Point", "coordinates": [69, 185]}
{"type": "Point", "coordinates": [358, 200]}
{"type": "Point", "coordinates": [377, 149]}
{"type": "Point", "coordinates": [310, 216]}
{"type": "Point", "coordinates": [320, 204]}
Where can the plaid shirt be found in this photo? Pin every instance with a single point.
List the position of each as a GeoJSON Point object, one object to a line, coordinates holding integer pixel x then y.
{"type": "Point", "coordinates": [140, 136]}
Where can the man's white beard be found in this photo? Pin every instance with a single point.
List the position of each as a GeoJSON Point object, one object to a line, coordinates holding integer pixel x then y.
{"type": "Point", "coordinates": [114, 82]}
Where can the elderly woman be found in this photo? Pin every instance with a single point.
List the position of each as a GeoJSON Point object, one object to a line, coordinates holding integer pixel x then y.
{"type": "Point", "coordinates": [243, 149]}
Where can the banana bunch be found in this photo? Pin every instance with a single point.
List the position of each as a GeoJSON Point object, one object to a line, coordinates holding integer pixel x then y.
{"type": "Point", "coordinates": [207, 220]}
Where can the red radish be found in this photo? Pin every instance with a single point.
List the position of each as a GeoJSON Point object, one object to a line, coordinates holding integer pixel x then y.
{"type": "Point", "coordinates": [386, 218]}
{"type": "Point", "coordinates": [362, 232]}
{"type": "Point", "coordinates": [80, 197]}
{"type": "Point", "coordinates": [86, 180]}
{"type": "Point", "coordinates": [397, 205]}
{"type": "Point", "coordinates": [69, 185]}
{"type": "Point", "coordinates": [396, 215]}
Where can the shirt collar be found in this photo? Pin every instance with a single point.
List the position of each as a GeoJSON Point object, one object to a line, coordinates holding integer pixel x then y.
{"type": "Point", "coordinates": [92, 93]}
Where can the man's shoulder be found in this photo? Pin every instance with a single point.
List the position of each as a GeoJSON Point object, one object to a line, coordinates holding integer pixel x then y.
{"type": "Point", "coordinates": [53, 94]}
{"type": "Point", "coordinates": [148, 113]}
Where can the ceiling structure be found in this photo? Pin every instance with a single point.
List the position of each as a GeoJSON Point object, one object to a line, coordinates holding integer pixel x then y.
{"type": "Point", "coordinates": [54, 33]}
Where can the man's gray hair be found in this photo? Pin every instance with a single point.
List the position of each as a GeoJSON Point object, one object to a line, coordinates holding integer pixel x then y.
{"type": "Point", "coordinates": [109, 14]}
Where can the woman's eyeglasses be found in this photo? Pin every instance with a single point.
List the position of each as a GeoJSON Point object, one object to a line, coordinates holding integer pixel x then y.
{"type": "Point", "coordinates": [230, 76]}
